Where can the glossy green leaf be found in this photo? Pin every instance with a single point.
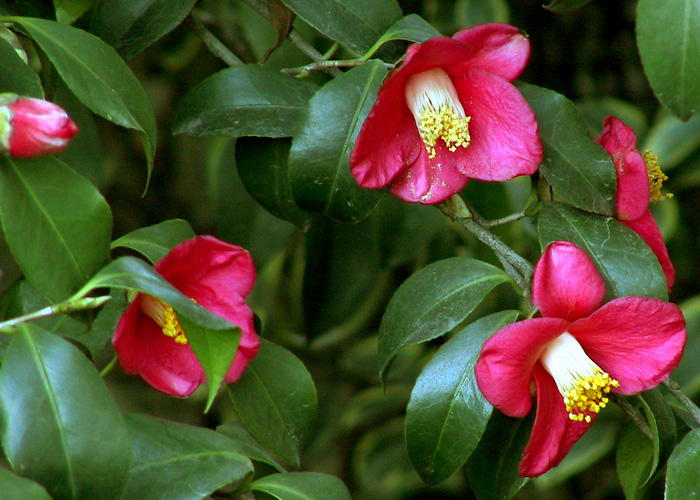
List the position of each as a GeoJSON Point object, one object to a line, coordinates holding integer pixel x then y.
{"type": "Point", "coordinates": [276, 401]}
{"type": "Point", "coordinates": [433, 301]}
{"type": "Point", "coordinates": [357, 24]}
{"type": "Point", "coordinates": [319, 169]}
{"type": "Point", "coordinates": [246, 100]}
{"type": "Point", "coordinates": [578, 169]}
{"type": "Point", "coordinates": [634, 458]}
{"type": "Point", "coordinates": [493, 466]}
{"type": "Point", "coordinates": [154, 242]}
{"type": "Point", "coordinates": [172, 461]}
{"type": "Point", "coordinates": [132, 26]}
{"type": "Point", "coordinates": [97, 76]}
{"type": "Point", "coordinates": [662, 423]}
{"type": "Point", "coordinates": [447, 413]}
{"type": "Point", "coordinates": [262, 166]}
{"type": "Point", "coordinates": [412, 28]}
{"type": "Point", "coordinates": [105, 324]}
{"type": "Point", "coordinates": [49, 434]}
{"type": "Point", "coordinates": [16, 75]}
{"type": "Point", "coordinates": [302, 486]}
{"type": "Point", "coordinates": [564, 5]}
{"type": "Point", "coordinates": [247, 444]}
{"type": "Point", "coordinates": [673, 140]}
{"type": "Point", "coordinates": [56, 223]}
{"type": "Point", "coordinates": [626, 263]}
{"type": "Point", "coordinates": [18, 488]}
{"type": "Point", "coordinates": [674, 75]}
{"type": "Point", "coordinates": [682, 478]}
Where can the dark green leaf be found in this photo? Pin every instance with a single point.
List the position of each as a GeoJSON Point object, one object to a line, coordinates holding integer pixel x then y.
{"type": "Point", "coordinates": [493, 466]}
{"type": "Point", "coordinates": [564, 5]}
{"type": "Point", "coordinates": [172, 461]}
{"type": "Point", "coordinates": [132, 26]}
{"type": "Point", "coordinates": [433, 301]}
{"type": "Point", "coordinates": [262, 166]}
{"type": "Point", "coordinates": [105, 324]}
{"type": "Point", "coordinates": [247, 100]}
{"type": "Point", "coordinates": [412, 28]}
{"type": "Point", "coordinates": [626, 263]}
{"type": "Point", "coordinates": [33, 8]}
{"type": "Point", "coordinates": [16, 75]}
{"type": "Point", "coordinates": [673, 74]}
{"type": "Point", "coordinates": [374, 405]}
{"type": "Point", "coordinates": [634, 457]}
{"type": "Point", "coordinates": [447, 413]}
{"type": "Point", "coordinates": [472, 12]}
{"type": "Point", "coordinates": [69, 11]}
{"type": "Point", "coordinates": [17, 488]}
{"type": "Point", "coordinates": [357, 24]}
{"type": "Point", "coordinates": [302, 486]}
{"type": "Point", "coordinates": [247, 444]}
{"type": "Point", "coordinates": [662, 424]}
{"type": "Point", "coordinates": [276, 401]}
{"type": "Point", "coordinates": [154, 242]}
{"type": "Point", "coordinates": [56, 223]}
{"type": "Point", "coordinates": [579, 170]}
{"type": "Point", "coordinates": [319, 169]}
{"type": "Point", "coordinates": [682, 478]}
{"type": "Point", "coordinates": [97, 76]}
{"type": "Point", "coordinates": [49, 433]}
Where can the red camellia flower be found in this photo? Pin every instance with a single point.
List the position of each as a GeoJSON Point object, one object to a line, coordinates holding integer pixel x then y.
{"type": "Point", "coordinates": [149, 339]}
{"type": "Point", "coordinates": [33, 127]}
{"type": "Point", "coordinates": [639, 181]}
{"type": "Point", "coordinates": [576, 353]}
{"type": "Point", "coordinates": [449, 113]}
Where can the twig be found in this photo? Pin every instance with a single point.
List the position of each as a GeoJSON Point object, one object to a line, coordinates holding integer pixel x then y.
{"type": "Point", "coordinates": [310, 51]}
{"type": "Point", "coordinates": [212, 43]}
{"type": "Point", "coordinates": [487, 224]}
{"type": "Point", "coordinates": [633, 413]}
{"type": "Point", "coordinates": [675, 389]}
{"type": "Point", "coordinates": [62, 308]}
{"type": "Point", "coordinates": [323, 65]}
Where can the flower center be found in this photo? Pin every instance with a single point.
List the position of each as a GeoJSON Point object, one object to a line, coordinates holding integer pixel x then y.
{"type": "Point", "coordinates": [433, 100]}
{"type": "Point", "coordinates": [581, 382]}
{"type": "Point", "coordinates": [656, 177]}
{"type": "Point", "coordinates": [165, 316]}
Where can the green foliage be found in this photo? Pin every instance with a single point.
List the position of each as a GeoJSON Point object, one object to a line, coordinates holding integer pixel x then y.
{"type": "Point", "coordinates": [154, 242]}
{"type": "Point", "coordinates": [302, 486]}
{"type": "Point", "coordinates": [682, 481]}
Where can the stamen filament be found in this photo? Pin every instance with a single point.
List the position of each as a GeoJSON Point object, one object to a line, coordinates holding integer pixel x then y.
{"type": "Point", "coordinates": [165, 317]}
{"type": "Point", "coordinates": [656, 177]}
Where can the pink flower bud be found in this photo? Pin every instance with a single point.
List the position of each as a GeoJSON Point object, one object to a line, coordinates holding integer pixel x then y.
{"type": "Point", "coordinates": [37, 128]}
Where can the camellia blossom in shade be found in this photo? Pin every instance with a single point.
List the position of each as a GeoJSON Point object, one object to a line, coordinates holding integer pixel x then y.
{"type": "Point", "coordinates": [149, 339]}
{"type": "Point", "coordinates": [639, 181]}
{"type": "Point", "coordinates": [450, 113]}
{"type": "Point", "coordinates": [576, 353]}
{"type": "Point", "coordinates": [30, 127]}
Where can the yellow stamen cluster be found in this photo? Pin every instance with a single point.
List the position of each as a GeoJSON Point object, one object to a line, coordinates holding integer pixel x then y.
{"type": "Point", "coordinates": [443, 124]}
{"type": "Point", "coordinates": [165, 317]}
{"type": "Point", "coordinates": [588, 394]}
{"type": "Point", "coordinates": [656, 177]}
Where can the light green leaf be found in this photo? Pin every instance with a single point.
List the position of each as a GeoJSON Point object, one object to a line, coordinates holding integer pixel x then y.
{"type": "Point", "coordinates": [302, 486]}
{"type": "Point", "coordinates": [319, 170]}
{"type": "Point", "coordinates": [246, 100]}
{"type": "Point", "coordinates": [49, 433]}
{"type": "Point", "coordinates": [433, 301]}
{"type": "Point", "coordinates": [447, 413]}
{"type": "Point", "coordinates": [674, 75]}
{"type": "Point", "coordinates": [97, 76]}
{"type": "Point", "coordinates": [172, 461]}
{"type": "Point", "coordinates": [154, 242]}
{"type": "Point", "coordinates": [132, 26]}
{"type": "Point", "coordinates": [276, 401]}
{"type": "Point", "coordinates": [56, 223]}
{"type": "Point", "coordinates": [357, 24]}
{"type": "Point", "coordinates": [682, 478]}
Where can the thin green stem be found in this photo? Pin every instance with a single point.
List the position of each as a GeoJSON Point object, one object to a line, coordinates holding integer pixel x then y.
{"type": "Point", "coordinates": [61, 308]}
{"type": "Point", "coordinates": [488, 224]}
{"type": "Point", "coordinates": [634, 414]}
{"type": "Point", "coordinates": [109, 367]}
{"type": "Point", "coordinates": [675, 389]}
{"type": "Point", "coordinates": [212, 43]}
{"type": "Point", "coordinates": [310, 51]}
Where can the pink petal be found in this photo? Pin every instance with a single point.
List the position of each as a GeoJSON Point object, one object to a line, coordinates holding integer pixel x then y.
{"type": "Point", "coordinates": [502, 49]}
{"type": "Point", "coordinates": [554, 433]}
{"type": "Point", "coordinates": [632, 195]}
{"type": "Point", "coordinates": [646, 227]}
{"type": "Point", "coordinates": [503, 129]}
{"type": "Point", "coordinates": [504, 369]}
{"type": "Point", "coordinates": [637, 340]}
{"type": "Point", "coordinates": [133, 354]}
{"type": "Point", "coordinates": [566, 283]}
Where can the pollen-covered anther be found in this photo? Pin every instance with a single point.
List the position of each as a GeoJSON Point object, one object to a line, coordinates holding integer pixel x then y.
{"type": "Point", "coordinates": [433, 100]}
{"type": "Point", "coordinates": [165, 316]}
{"type": "Point", "coordinates": [587, 395]}
{"type": "Point", "coordinates": [656, 177]}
